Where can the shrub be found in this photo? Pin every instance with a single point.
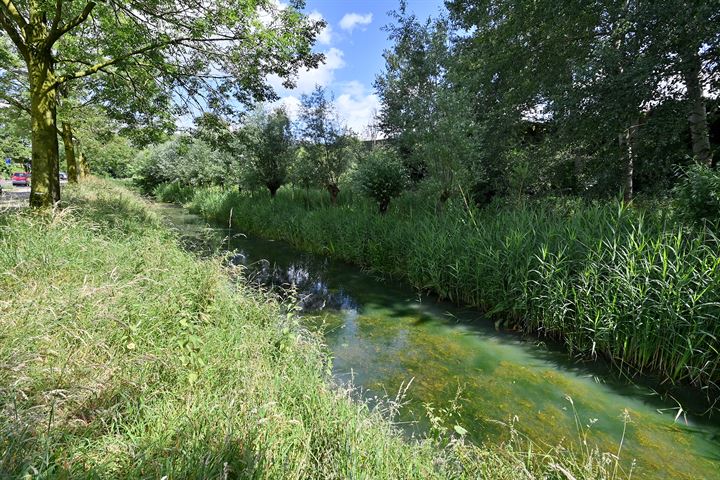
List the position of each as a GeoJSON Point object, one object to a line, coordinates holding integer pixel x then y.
{"type": "Point", "coordinates": [381, 177]}
{"type": "Point", "coordinates": [697, 196]}
{"type": "Point", "coordinates": [174, 193]}
{"type": "Point", "coordinates": [183, 160]}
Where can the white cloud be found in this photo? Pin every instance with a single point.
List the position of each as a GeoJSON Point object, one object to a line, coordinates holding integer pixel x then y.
{"type": "Point", "coordinates": [351, 20]}
{"type": "Point", "coordinates": [326, 34]}
{"type": "Point", "coordinates": [307, 79]}
{"type": "Point", "coordinates": [356, 106]}
{"type": "Point", "coordinates": [291, 104]}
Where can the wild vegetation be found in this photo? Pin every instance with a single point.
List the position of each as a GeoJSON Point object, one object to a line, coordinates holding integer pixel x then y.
{"type": "Point", "coordinates": [127, 357]}
{"type": "Point", "coordinates": [551, 163]}
{"type": "Point", "coordinates": [634, 286]}
{"type": "Point", "coordinates": [508, 195]}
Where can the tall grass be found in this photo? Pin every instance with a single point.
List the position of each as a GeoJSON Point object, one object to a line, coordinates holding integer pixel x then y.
{"type": "Point", "coordinates": [173, 192]}
{"type": "Point", "coordinates": [607, 280]}
{"type": "Point", "coordinates": [125, 357]}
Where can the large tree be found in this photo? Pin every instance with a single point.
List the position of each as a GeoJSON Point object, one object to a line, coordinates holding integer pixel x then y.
{"type": "Point", "coordinates": [270, 147]}
{"type": "Point", "coordinates": [593, 73]}
{"type": "Point", "coordinates": [328, 145]}
{"type": "Point", "coordinates": [133, 99]}
{"type": "Point", "coordinates": [409, 85]}
{"type": "Point", "coordinates": [215, 51]}
{"type": "Point", "coordinates": [428, 114]}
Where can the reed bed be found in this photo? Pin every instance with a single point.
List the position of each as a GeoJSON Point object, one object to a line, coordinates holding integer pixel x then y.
{"type": "Point", "coordinates": [629, 284]}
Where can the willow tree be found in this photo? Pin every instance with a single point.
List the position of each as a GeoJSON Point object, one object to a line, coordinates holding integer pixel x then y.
{"type": "Point", "coordinates": [266, 146]}
{"type": "Point", "coordinates": [214, 52]}
{"type": "Point", "coordinates": [428, 115]}
{"type": "Point", "coordinates": [329, 146]}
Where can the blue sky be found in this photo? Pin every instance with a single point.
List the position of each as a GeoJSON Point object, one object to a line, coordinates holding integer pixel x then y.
{"type": "Point", "coordinates": [353, 44]}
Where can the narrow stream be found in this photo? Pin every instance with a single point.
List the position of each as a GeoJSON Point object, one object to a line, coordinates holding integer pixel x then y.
{"type": "Point", "coordinates": [382, 335]}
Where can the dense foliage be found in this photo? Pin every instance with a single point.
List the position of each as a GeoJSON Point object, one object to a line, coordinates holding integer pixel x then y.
{"type": "Point", "coordinates": [183, 160]}
{"type": "Point", "coordinates": [527, 97]}
{"type": "Point", "coordinates": [268, 150]}
{"type": "Point", "coordinates": [382, 177]}
{"type": "Point", "coordinates": [697, 196]}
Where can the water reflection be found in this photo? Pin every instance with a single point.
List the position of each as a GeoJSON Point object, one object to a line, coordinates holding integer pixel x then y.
{"type": "Point", "coordinates": [298, 281]}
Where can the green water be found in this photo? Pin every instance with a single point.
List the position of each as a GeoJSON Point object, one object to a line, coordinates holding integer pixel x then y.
{"type": "Point", "coordinates": [383, 335]}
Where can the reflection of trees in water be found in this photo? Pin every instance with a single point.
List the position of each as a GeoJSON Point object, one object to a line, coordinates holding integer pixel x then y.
{"type": "Point", "coordinates": [297, 279]}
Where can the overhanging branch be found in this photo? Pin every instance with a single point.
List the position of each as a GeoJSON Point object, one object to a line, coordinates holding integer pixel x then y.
{"type": "Point", "coordinates": [15, 103]}
{"type": "Point", "coordinates": [9, 7]}
{"type": "Point", "coordinates": [13, 33]}
{"type": "Point", "coordinates": [99, 66]}
{"type": "Point", "coordinates": [148, 48]}
{"type": "Point", "coordinates": [58, 31]}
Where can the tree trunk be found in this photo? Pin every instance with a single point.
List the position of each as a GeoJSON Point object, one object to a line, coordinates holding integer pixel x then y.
{"type": "Point", "coordinates": [72, 166]}
{"type": "Point", "coordinates": [45, 184]}
{"type": "Point", "coordinates": [442, 200]}
{"type": "Point", "coordinates": [273, 188]}
{"type": "Point", "coordinates": [578, 168]}
{"type": "Point", "coordinates": [384, 204]}
{"type": "Point", "coordinates": [627, 146]}
{"type": "Point", "coordinates": [83, 170]}
{"type": "Point", "coordinates": [697, 117]}
{"type": "Point", "coordinates": [85, 166]}
{"type": "Point", "coordinates": [333, 190]}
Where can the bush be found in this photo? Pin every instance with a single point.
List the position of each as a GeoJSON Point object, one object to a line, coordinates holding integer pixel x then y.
{"type": "Point", "coordinates": [697, 196]}
{"type": "Point", "coordinates": [182, 160]}
{"type": "Point", "coordinates": [174, 193]}
{"type": "Point", "coordinates": [113, 156]}
{"type": "Point", "coordinates": [381, 177]}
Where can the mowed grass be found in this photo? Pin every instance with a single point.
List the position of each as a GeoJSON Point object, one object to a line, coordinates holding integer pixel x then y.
{"type": "Point", "coordinates": [122, 356]}
{"type": "Point", "coordinates": [626, 283]}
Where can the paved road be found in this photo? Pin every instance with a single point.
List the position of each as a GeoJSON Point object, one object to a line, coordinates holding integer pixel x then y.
{"type": "Point", "coordinates": [15, 197]}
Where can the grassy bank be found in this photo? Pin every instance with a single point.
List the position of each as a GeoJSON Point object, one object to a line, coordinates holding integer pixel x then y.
{"type": "Point", "coordinates": [125, 357]}
{"type": "Point", "coordinates": [603, 278]}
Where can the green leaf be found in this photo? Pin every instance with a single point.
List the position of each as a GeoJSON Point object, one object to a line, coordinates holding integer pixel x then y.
{"type": "Point", "coordinates": [460, 430]}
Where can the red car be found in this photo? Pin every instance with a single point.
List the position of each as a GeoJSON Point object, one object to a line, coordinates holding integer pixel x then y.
{"type": "Point", "coordinates": [21, 179]}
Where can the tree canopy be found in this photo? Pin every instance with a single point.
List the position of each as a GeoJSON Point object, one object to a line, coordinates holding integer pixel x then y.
{"type": "Point", "coordinates": [528, 96]}
{"type": "Point", "coordinates": [208, 54]}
